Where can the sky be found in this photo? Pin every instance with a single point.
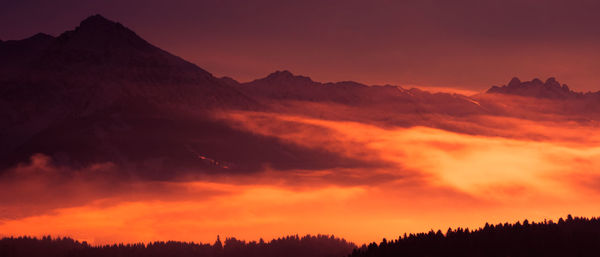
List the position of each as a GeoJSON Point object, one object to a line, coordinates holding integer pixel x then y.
{"type": "Point", "coordinates": [519, 159]}
{"type": "Point", "coordinates": [465, 44]}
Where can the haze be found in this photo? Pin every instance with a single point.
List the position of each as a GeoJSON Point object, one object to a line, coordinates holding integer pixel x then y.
{"type": "Point", "coordinates": [467, 44]}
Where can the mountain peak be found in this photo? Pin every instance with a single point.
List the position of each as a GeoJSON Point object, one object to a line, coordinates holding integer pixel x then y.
{"type": "Point", "coordinates": [97, 29]}
{"type": "Point", "coordinates": [281, 74]}
{"type": "Point", "coordinates": [514, 82]}
{"type": "Point", "coordinates": [535, 88]}
{"type": "Point", "coordinates": [286, 77]}
{"type": "Point", "coordinates": [552, 83]}
{"type": "Point", "coordinates": [99, 43]}
{"type": "Point", "coordinates": [536, 81]}
{"type": "Point", "coordinates": [96, 20]}
{"type": "Point", "coordinates": [551, 80]}
{"type": "Point", "coordinates": [98, 39]}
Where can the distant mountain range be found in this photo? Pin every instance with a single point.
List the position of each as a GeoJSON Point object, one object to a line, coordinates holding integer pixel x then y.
{"type": "Point", "coordinates": [101, 93]}
{"type": "Point", "coordinates": [551, 89]}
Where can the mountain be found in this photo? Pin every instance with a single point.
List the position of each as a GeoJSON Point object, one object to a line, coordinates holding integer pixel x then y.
{"type": "Point", "coordinates": [16, 53]}
{"type": "Point", "coordinates": [551, 89]}
{"type": "Point", "coordinates": [104, 57]}
{"type": "Point", "coordinates": [284, 86]}
{"type": "Point", "coordinates": [100, 93]}
{"type": "Point", "coordinates": [541, 100]}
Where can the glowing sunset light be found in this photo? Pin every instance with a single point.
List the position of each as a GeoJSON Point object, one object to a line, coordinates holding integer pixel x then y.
{"type": "Point", "coordinates": [430, 178]}
{"type": "Point", "coordinates": [299, 128]}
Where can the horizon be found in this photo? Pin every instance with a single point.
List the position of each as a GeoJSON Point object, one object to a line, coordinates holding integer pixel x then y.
{"type": "Point", "coordinates": [565, 50]}
{"type": "Point", "coordinates": [223, 238]}
{"type": "Point", "coordinates": [430, 88]}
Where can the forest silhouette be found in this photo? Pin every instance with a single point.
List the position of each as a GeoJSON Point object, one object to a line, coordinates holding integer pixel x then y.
{"type": "Point", "coordinates": [573, 236]}
{"type": "Point", "coordinates": [567, 237]}
{"type": "Point", "coordinates": [292, 246]}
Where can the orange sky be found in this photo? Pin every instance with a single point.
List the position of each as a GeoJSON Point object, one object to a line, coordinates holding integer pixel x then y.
{"type": "Point", "coordinates": [543, 162]}
{"type": "Point", "coordinates": [432, 179]}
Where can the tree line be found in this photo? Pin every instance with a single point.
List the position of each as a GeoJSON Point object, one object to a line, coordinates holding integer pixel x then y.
{"type": "Point", "coordinates": [292, 246]}
{"type": "Point", "coordinates": [567, 237]}
{"type": "Point", "coordinates": [573, 236]}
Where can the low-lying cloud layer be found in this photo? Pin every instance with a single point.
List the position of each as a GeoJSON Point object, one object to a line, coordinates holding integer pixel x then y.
{"type": "Point", "coordinates": [417, 178]}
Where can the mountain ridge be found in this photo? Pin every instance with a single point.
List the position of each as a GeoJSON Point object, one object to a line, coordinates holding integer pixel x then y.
{"type": "Point", "coordinates": [86, 41]}
{"type": "Point", "coordinates": [89, 98]}
{"type": "Point", "coordinates": [550, 89]}
{"type": "Point", "coordinates": [111, 90]}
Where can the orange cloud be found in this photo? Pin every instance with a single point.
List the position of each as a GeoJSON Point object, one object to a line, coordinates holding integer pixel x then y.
{"type": "Point", "coordinates": [422, 178]}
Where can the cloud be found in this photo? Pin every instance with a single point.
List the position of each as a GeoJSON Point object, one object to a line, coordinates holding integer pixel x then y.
{"type": "Point", "coordinates": [40, 187]}
{"type": "Point", "coordinates": [523, 155]}
{"type": "Point", "coordinates": [418, 178]}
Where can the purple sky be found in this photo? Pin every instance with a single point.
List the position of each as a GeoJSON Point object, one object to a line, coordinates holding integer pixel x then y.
{"type": "Point", "coordinates": [468, 44]}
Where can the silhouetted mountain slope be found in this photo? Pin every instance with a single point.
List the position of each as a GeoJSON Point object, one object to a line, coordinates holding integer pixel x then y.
{"type": "Point", "coordinates": [100, 93]}
{"type": "Point", "coordinates": [14, 54]}
{"type": "Point", "coordinates": [101, 61]}
{"type": "Point", "coordinates": [291, 246]}
{"type": "Point", "coordinates": [283, 86]}
{"type": "Point", "coordinates": [551, 89]}
{"type": "Point", "coordinates": [74, 97]}
{"type": "Point", "coordinates": [570, 237]}
{"type": "Point", "coordinates": [539, 100]}
{"type": "Point", "coordinates": [161, 144]}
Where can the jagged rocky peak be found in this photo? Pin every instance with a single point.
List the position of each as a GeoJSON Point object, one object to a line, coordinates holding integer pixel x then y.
{"type": "Point", "coordinates": [96, 20]}
{"type": "Point", "coordinates": [514, 82]}
{"type": "Point", "coordinates": [551, 88]}
{"type": "Point", "coordinates": [281, 74]}
{"type": "Point", "coordinates": [101, 62]}
{"type": "Point", "coordinates": [551, 81]}
{"type": "Point", "coordinates": [100, 42]}
{"type": "Point", "coordinates": [97, 32]}
{"type": "Point", "coordinates": [284, 74]}
{"type": "Point", "coordinates": [536, 81]}
{"type": "Point", "coordinates": [98, 24]}
{"type": "Point", "coordinates": [285, 77]}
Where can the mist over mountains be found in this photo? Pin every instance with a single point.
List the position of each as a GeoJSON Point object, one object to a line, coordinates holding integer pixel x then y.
{"type": "Point", "coordinates": [111, 90]}
{"type": "Point", "coordinates": [102, 129]}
